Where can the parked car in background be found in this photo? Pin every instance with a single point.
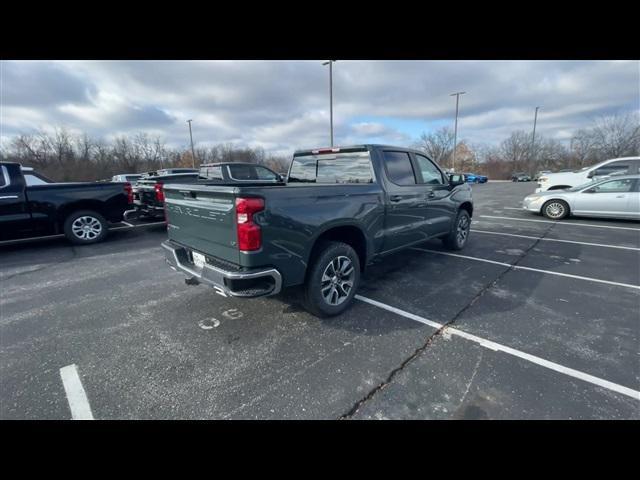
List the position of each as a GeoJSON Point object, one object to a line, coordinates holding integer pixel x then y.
{"type": "Point", "coordinates": [236, 172]}
{"type": "Point", "coordinates": [339, 209]}
{"type": "Point", "coordinates": [31, 205]}
{"type": "Point", "coordinates": [169, 171]}
{"type": "Point", "coordinates": [126, 177]}
{"type": "Point", "coordinates": [148, 194]}
{"type": "Point", "coordinates": [617, 197]}
{"type": "Point", "coordinates": [520, 177]}
{"type": "Point", "coordinates": [614, 166]}
{"type": "Point", "coordinates": [475, 178]}
{"type": "Point", "coordinates": [540, 173]}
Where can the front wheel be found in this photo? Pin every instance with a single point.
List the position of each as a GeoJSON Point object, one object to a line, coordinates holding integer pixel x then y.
{"type": "Point", "coordinates": [457, 238]}
{"type": "Point", "coordinates": [85, 227]}
{"type": "Point", "coordinates": [555, 209]}
{"type": "Point", "coordinates": [332, 280]}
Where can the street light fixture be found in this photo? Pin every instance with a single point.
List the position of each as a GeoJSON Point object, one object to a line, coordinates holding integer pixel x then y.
{"type": "Point", "coordinates": [330, 63]}
{"type": "Point", "coordinates": [455, 131]}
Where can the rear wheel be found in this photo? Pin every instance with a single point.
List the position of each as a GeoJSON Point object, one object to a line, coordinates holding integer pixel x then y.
{"type": "Point", "coordinates": [555, 209]}
{"type": "Point", "coordinates": [85, 227]}
{"type": "Point", "coordinates": [332, 280]}
{"type": "Point", "coordinates": [457, 238]}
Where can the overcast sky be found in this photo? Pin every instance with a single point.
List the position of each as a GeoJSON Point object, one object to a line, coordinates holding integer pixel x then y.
{"type": "Point", "coordinates": [284, 105]}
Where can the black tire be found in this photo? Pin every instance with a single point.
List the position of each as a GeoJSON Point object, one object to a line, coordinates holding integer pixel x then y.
{"type": "Point", "coordinates": [457, 238]}
{"type": "Point", "coordinates": [555, 209]}
{"type": "Point", "coordinates": [85, 227]}
{"type": "Point", "coordinates": [316, 290]}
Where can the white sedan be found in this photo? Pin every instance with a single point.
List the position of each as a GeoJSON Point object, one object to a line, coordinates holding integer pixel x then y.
{"type": "Point", "coordinates": [617, 197]}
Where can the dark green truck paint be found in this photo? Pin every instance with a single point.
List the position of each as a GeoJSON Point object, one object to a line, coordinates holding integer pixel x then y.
{"type": "Point", "coordinates": [375, 218]}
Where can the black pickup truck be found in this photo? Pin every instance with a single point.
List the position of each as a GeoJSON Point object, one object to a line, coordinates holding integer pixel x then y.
{"type": "Point", "coordinates": [340, 209]}
{"type": "Point", "coordinates": [30, 206]}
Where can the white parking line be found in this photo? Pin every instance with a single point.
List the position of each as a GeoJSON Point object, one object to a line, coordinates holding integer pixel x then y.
{"type": "Point", "coordinates": [138, 226]}
{"type": "Point", "coordinates": [511, 351]}
{"type": "Point", "coordinates": [61, 235]}
{"type": "Point", "coordinates": [530, 269]}
{"type": "Point", "coordinates": [561, 223]}
{"type": "Point", "coordinates": [76, 396]}
{"type": "Point", "coordinates": [556, 240]}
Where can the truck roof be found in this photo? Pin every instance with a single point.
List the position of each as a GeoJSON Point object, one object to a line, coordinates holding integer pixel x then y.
{"type": "Point", "coordinates": [355, 148]}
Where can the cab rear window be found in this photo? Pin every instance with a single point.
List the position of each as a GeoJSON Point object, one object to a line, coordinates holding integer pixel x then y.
{"type": "Point", "coordinates": [348, 167]}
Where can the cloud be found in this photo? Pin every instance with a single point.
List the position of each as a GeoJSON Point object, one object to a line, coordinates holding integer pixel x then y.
{"type": "Point", "coordinates": [283, 105]}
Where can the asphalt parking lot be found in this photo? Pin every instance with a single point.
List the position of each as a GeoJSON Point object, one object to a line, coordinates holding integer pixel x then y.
{"type": "Point", "coordinates": [532, 320]}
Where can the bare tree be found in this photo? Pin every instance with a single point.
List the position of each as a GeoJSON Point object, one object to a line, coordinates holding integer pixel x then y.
{"type": "Point", "coordinates": [437, 145]}
{"type": "Point", "coordinates": [617, 136]}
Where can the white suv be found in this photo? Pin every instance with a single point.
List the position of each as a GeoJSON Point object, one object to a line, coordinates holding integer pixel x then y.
{"type": "Point", "coordinates": [615, 166]}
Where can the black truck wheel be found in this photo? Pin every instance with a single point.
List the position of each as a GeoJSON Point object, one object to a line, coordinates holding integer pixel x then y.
{"type": "Point", "coordinates": [85, 226]}
{"type": "Point", "coordinates": [457, 238]}
{"type": "Point", "coordinates": [332, 280]}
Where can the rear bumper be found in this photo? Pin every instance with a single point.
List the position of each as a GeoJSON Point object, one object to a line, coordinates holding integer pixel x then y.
{"type": "Point", "coordinates": [246, 283]}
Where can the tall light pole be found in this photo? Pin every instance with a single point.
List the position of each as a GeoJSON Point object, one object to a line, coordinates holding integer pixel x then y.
{"type": "Point", "coordinates": [533, 137]}
{"type": "Point", "coordinates": [455, 130]}
{"type": "Point", "coordinates": [330, 63]}
{"type": "Point", "coordinates": [193, 153]}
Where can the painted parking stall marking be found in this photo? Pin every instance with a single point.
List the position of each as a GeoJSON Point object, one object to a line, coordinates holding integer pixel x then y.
{"type": "Point", "coordinates": [497, 347]}
{"type": "Point", "coordinates": [529, 269]}
{"type": "Point", "coordinates": [76, 396]}
{"type": "Point", "coordinates": [562, 223]}
{"type": "Point", "coordinates": [545, 239]}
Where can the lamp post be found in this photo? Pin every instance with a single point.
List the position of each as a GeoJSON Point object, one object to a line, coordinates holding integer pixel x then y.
{"type": "Point", "coordinates": [330, 63]}
{"type": "Point", "coordinates": [455, 130]}
{"type": "Point", "coordinates": [533, 137]}
{"type": "Point", "coordinates": [193, 153]}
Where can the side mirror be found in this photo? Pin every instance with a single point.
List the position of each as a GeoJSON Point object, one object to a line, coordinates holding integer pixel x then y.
{"type": "Point", "coordinates": [591, 190]}
{"type": "Point", "coordinates": [591, 174]}
{"type": "Point", "coordinates": [456, 179]}
{"type": "Point", "coordinates": [279, 178]}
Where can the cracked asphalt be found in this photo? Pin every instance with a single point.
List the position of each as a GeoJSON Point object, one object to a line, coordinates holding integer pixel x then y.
{"type": "Point", "coordinates": [147, 346]}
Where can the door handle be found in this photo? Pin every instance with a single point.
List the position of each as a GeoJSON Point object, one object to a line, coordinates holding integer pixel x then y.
{"type": "Point", "coordinates": [431, 194]}
{"type": "Point", "coordinates": [395, 198]}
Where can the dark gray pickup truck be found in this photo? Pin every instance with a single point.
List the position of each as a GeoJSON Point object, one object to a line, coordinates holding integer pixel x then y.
{"type": "Point", "coordinates": [339, 209]}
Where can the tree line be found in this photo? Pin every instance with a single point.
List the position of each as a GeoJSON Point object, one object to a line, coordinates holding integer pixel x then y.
{"type": "Point", "coordinates": [63, 156]}
{"type": "Point", "coordinates": [66, 157]}
{"type": "Point", "coordinates": [608, 137]}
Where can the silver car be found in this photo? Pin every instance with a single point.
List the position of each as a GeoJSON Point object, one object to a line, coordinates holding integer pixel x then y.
{"type": "Point", "coordinates": [617, 197]}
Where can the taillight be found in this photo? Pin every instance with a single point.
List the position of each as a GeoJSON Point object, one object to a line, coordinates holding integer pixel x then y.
{"type": "Point", "coordinates": [159, 192]}
{"type": "Point", "coordinates": [129, 191]}
{"type": "Point", "coordinates": [249, 233]}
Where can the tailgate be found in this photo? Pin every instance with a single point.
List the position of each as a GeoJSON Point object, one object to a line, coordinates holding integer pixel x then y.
{"type": "Point", "coordinates": [203, 218]}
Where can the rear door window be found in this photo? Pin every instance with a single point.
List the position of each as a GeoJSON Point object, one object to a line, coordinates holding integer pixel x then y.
{"type": "Point", "coordinates": [399, 168]}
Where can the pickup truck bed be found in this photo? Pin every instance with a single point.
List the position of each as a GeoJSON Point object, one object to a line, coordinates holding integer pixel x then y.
{"type": "Point", "coordinates": [79, 210]}
{"type": "Point", "coordinates": [253, 240]}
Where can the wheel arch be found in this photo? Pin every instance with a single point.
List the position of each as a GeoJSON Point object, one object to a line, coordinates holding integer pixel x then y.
{"type": "Point", "coordinates": [349, 233]}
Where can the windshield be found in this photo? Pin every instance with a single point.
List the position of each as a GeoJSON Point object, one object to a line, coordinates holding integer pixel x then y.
{"type": "Point", "coordinates": [580, 187]}
{"type": "Point", "coordinates": [351, 167]}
